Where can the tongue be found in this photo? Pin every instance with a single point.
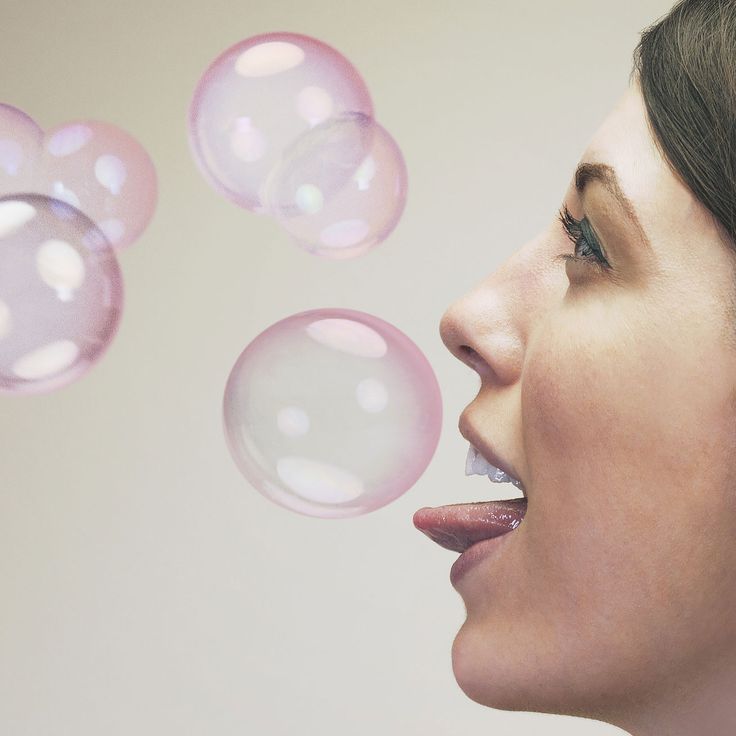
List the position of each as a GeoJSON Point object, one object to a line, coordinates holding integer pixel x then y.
{"type": "Point", "coordinates": [460, 525]}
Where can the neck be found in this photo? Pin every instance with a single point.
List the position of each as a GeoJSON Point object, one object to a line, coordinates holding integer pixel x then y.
{"type": "Point", "coordinates": [696, 704]}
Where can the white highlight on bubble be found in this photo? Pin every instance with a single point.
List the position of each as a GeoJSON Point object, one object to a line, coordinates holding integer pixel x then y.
{"type": "Point", "coordinates": [6, 323]}
{"type": "Point", "coordinates": [61, 267]}
{"type": "Point", "coordinates": [365, 173]}
{"type": "Point", "coordinates": [293, 421]}
{"type": "Point", "coordinates": [371, 395]}
{"type": "Point", "coordinates": [47, 360]}
{"type": "Point", "coordinates": [318, 481]}
{"type": "Point", "coordinates": [309, 199]}
{"type": "Point", "coordinates": [69, 140]}
{"type": "Point", "coordinates": [345, 233]}
{"type": "Point", "coordinates": [268, 58]}
{"type": "Point", "coordinates": [315, 105]}
{"type": "Point", "coordinates": [11, 156]}
{"type": "Point", "coordinates": [110, 171]}
{"type": "Point", "coordinates": [63, 194]}
{"type": "Point", "coordinates": [247, 142]}
{"type": "Point", "coordinates": [348, 336]}
{"type": "Point", "coordinates": [14, 215]}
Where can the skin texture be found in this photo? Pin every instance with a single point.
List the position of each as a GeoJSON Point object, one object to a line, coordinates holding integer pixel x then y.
{"type": "Point", "coordinates": [613, 395]}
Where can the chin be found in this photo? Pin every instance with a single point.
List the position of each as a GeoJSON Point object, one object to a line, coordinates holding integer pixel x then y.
{"type": "Point", "coordinates": [483, 680]}
{"type": "Point", "coordinates": [494, 673]}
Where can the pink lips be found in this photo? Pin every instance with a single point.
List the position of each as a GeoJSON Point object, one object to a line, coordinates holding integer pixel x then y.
{"type": "Point", "coordinates": [461, 525]}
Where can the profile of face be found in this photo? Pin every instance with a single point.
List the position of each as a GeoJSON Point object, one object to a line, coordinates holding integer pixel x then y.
{"type": "Point", "coordinates": [611, 391]}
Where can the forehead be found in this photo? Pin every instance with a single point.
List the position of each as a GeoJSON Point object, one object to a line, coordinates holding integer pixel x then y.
{"type": "Point", "coordinates": [668, 211]}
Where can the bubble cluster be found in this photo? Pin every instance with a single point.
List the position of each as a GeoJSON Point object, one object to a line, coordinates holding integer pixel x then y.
{"type": "Point", "coordinates": [332, 413]}
{"type": "Point", "coordinates": [282, 124]}
{"type": "Point", "coordinates": [96, 167]}
{"type": "Point", "coordinates": [71, 195]}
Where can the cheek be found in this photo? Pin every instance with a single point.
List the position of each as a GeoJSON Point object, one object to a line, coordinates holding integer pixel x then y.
{"type": "Point", "coordinates": [614, 435]}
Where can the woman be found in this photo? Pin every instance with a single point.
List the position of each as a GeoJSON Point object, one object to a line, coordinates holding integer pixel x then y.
{"type": "Point", "coordinates": [606, 349]}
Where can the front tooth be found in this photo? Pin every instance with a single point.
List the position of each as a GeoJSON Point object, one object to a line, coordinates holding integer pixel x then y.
{"type": "Point", "coordinates": [475, 463]}
{"type": "Point", "coordinates": [498, 476]}
{"type": "Point", "coordinates": [470, 460]}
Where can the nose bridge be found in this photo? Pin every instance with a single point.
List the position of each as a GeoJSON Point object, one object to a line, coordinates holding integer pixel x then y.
{"type": "Point", "coordinates": [487, 328]}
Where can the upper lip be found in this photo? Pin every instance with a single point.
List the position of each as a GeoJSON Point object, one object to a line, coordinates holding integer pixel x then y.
{"type": "Point", "coordinates": [471, 435]}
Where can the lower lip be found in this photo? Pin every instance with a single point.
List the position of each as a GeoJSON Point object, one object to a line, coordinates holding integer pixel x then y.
{"type": "Point", "coordinates": [476, 554]}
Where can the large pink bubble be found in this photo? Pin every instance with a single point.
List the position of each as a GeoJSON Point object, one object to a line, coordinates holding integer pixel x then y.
{"type": "Point", "coordinates": [332, 413]}
{"type": "Point", "coordinates": [340, 190]}
{"type": "Point", "coordinates": [20, 144]}
{"type": "Point", "coordinates": [257, 98]}
{"type": "Point", "coordinates": [61, 294]}
{"type": "Point", "coordinates": [102, 171]}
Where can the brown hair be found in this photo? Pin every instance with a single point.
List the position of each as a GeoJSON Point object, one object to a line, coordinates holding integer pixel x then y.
{"type": "Point", "coordinates": [686, 65]}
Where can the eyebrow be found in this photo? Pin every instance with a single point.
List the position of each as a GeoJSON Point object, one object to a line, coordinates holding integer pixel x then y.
{"type": "Point", "coordinates": [588, 172]}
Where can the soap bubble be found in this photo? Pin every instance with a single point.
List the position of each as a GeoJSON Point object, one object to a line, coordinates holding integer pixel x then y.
{"type": "Point", "coordinates": [257, 98]}
{"type": "Point", "coordinates": [61, 294]}
{"type": "Point", "coordinates": [102, 171]}
{"type": "Point", "coordinates": [332, 413]}
{"type": "Point", "coordinates": [20, 143]}
{"type": "Point", "coordinates": [340, 189]}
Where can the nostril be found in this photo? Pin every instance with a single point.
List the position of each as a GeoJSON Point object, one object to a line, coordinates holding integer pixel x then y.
{"type": "Point", "coordinates": [472, 358]}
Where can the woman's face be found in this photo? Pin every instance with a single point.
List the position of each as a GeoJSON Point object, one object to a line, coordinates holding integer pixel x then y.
{"type": "Point", "coordinates": [612, 395]}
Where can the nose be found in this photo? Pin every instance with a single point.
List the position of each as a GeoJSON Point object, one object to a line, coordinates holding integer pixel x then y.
{"type": "Point", "coordinates": [488, 328]}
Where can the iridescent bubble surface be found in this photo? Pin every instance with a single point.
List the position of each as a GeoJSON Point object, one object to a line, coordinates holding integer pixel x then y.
{"type": "Point", "coordinates": [61, 294]}
{"type": "Point", "coordinates": [332, 413]}
{"type": "Point", "coordinates": [102, 171]}
{"type": "Point", "coordinates": [340, 189]}
{"type": "Point", "coordinates": [257, 98]}
{"type": "Point", "coordinates": [20, 144]}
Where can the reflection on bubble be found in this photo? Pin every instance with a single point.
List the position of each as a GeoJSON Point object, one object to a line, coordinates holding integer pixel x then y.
{"type": "Point", "coordinates": [68, 140]}
{"type": "Point", "coordinates": [317, 482]}
{"type": "Point", "coordinates": [11, 157]}
{"type": "Point", "coordinates": [46, 361]}
{"type": "Point", "coordinates": [247, 142]}
{"type": "Point", "coordinates": [58, 190]}
{"type": "Point", "coordinates": [14, 215]}
{"type": "Point", "coordinates": [110, 171]}
{"type": "Point", "coordinates": [5, 322]}
{"type": "Point", "coordinates": [332, 413]}
{"type": "Point", "coordinates": [293, 421]}
{"type": "Point", "coordinates": [60, 266]}
{"type": "Point", "coordinates": [315, 105]}
{"type": "Point", "coordinates": [268, 59]}
{"type": "Point", "coordinates": [372, 395]}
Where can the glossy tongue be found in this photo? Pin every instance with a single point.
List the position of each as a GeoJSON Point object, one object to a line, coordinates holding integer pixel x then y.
{"type": "Point", "coordinates": [460, 525]}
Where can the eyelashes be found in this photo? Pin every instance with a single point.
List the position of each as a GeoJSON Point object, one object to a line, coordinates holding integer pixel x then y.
{"type": "Point", "coordinates": [578, 235]}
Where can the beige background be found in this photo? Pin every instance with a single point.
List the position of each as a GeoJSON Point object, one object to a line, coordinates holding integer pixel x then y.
{"type": "Point", "coordinates": [146, 587]}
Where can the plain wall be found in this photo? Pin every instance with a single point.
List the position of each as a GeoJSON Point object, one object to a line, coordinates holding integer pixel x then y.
{"type": "Point", "coordinates": [146, 587]}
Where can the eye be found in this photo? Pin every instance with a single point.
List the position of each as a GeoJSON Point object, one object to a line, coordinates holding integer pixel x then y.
{"type": "Point", "coordinates": [579, 233]}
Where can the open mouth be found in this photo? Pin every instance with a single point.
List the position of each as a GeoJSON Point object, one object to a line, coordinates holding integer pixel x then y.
{"type": "Point", "coordinates": [459, 526]}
